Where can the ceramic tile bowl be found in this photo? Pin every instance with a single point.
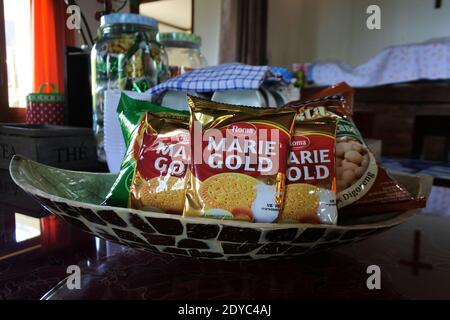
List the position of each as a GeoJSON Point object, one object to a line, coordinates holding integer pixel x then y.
{"type": "Point", "coordinates": [75, 197]}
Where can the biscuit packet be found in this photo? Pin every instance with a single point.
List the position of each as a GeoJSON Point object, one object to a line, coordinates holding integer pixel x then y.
{"type": "Point", "coordinates": [311, 177]}
{"type": "Point", "coordinates": [238, 163]}
{"type": "Point", "coordinates": [363, 186]}
{"type": "Point", "coordinates": [152, 175]}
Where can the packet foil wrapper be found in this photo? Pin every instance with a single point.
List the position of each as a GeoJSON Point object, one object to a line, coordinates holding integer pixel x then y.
{"type": "Point", "coordinates": [363, 186]}
{"type": "Point", "coordinates": [238, 164]}
{"type": "Point", "coordinates": [311, 176]}
{"type": "Point", "coordinates": [152, 175]}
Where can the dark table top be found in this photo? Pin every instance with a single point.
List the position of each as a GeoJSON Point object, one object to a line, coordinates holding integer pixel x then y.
{"type": "Point", "coordinates": [37, 248]}
{"type": "Point", "coordinates": [440, 171]}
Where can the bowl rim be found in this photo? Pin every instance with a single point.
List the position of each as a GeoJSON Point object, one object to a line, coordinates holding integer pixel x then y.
{"type": "Point", "coordinates": [16, 165]}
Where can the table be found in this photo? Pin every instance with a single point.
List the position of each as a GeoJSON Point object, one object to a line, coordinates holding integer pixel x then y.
{"type": "Point", "coordinates": [414, 260]}
{"type": "Point", "coordinates": [440, 171]}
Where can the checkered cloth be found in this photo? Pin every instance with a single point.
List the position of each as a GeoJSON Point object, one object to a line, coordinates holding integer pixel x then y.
{"type": "Point", "coordinates": [230, 76]}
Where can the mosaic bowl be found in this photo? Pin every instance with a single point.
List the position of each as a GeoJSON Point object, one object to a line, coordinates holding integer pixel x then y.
{"type": "Point", "coordinates": [75, 197]}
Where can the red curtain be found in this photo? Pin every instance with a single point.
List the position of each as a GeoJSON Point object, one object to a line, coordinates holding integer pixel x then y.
{"type": "Point", "coordinates": [50, 37]}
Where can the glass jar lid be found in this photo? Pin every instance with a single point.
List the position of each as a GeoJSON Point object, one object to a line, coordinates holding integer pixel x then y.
{"type": "Point", "coordinates": [128, 18]}
{"type": "Point", "coordinates": [179, 39]}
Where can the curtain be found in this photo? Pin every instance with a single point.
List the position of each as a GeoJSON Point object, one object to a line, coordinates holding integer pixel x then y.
{"type": "Point", "coordinates": [243, 32]}
{"type": "Point", "coordinates": [50, 37]}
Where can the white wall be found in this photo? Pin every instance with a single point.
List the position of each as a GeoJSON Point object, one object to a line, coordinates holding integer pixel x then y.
{"type": "Point", "coordinates": [207, 25]}
{"type": "Point", "coordinates": [291, 31]}
{"type": "Point", "coordinates": [174, 12]}
{"type": "Point", "coordinates": [307, 30]}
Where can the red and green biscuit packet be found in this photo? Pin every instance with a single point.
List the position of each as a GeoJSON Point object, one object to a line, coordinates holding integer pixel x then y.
{"type": "Point", "coordinates": [154, 136]}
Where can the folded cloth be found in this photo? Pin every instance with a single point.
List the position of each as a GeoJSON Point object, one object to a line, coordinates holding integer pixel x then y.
{"type": "Point", "coordinates": [230, 76]}
{"type": "Point", "coordinates": [284, 73]}
{"type": "Point", "coordinates": [428, 60]}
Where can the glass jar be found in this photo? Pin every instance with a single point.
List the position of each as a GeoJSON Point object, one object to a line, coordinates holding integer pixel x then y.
{"type": "Point", "coordinates": [126, 56]}
{"type": "Point", "coordinates": [183, 51]}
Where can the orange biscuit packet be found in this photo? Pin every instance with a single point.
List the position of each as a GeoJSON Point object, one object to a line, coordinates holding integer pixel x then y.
{"type": "Point", "coordinates": [238, 162]}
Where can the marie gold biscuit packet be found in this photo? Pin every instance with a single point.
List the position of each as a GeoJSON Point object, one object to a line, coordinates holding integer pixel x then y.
{"type": "Point", "coordinates": [311, 176]}
{"type": "Point", "coordinates": [152, 175]}
{"type": "Point", "coordinates": [238, 161]}
{"type": "Point", "coordinates": [162, 160]}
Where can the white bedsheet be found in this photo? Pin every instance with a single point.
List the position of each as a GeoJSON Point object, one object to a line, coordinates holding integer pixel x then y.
{"type": "Point", "coordinates": [428, 60]}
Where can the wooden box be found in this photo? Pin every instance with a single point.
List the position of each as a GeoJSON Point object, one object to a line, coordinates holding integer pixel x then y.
{"type": "Point", "coordinates": [58, 146]}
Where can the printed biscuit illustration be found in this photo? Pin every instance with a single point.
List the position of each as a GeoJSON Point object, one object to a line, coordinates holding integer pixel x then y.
{"type": "Point", "coordinates": [232, 192]}
{"type": "Point", "coordinates": [165, 192]}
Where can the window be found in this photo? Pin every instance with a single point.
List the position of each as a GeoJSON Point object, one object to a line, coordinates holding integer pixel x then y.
{"type": "Point", "coordinates": [27, 227]}
{"type": "Point", "coordinates": [18, 53]}
{"type": "Point", "coordinates": [15, 59]}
